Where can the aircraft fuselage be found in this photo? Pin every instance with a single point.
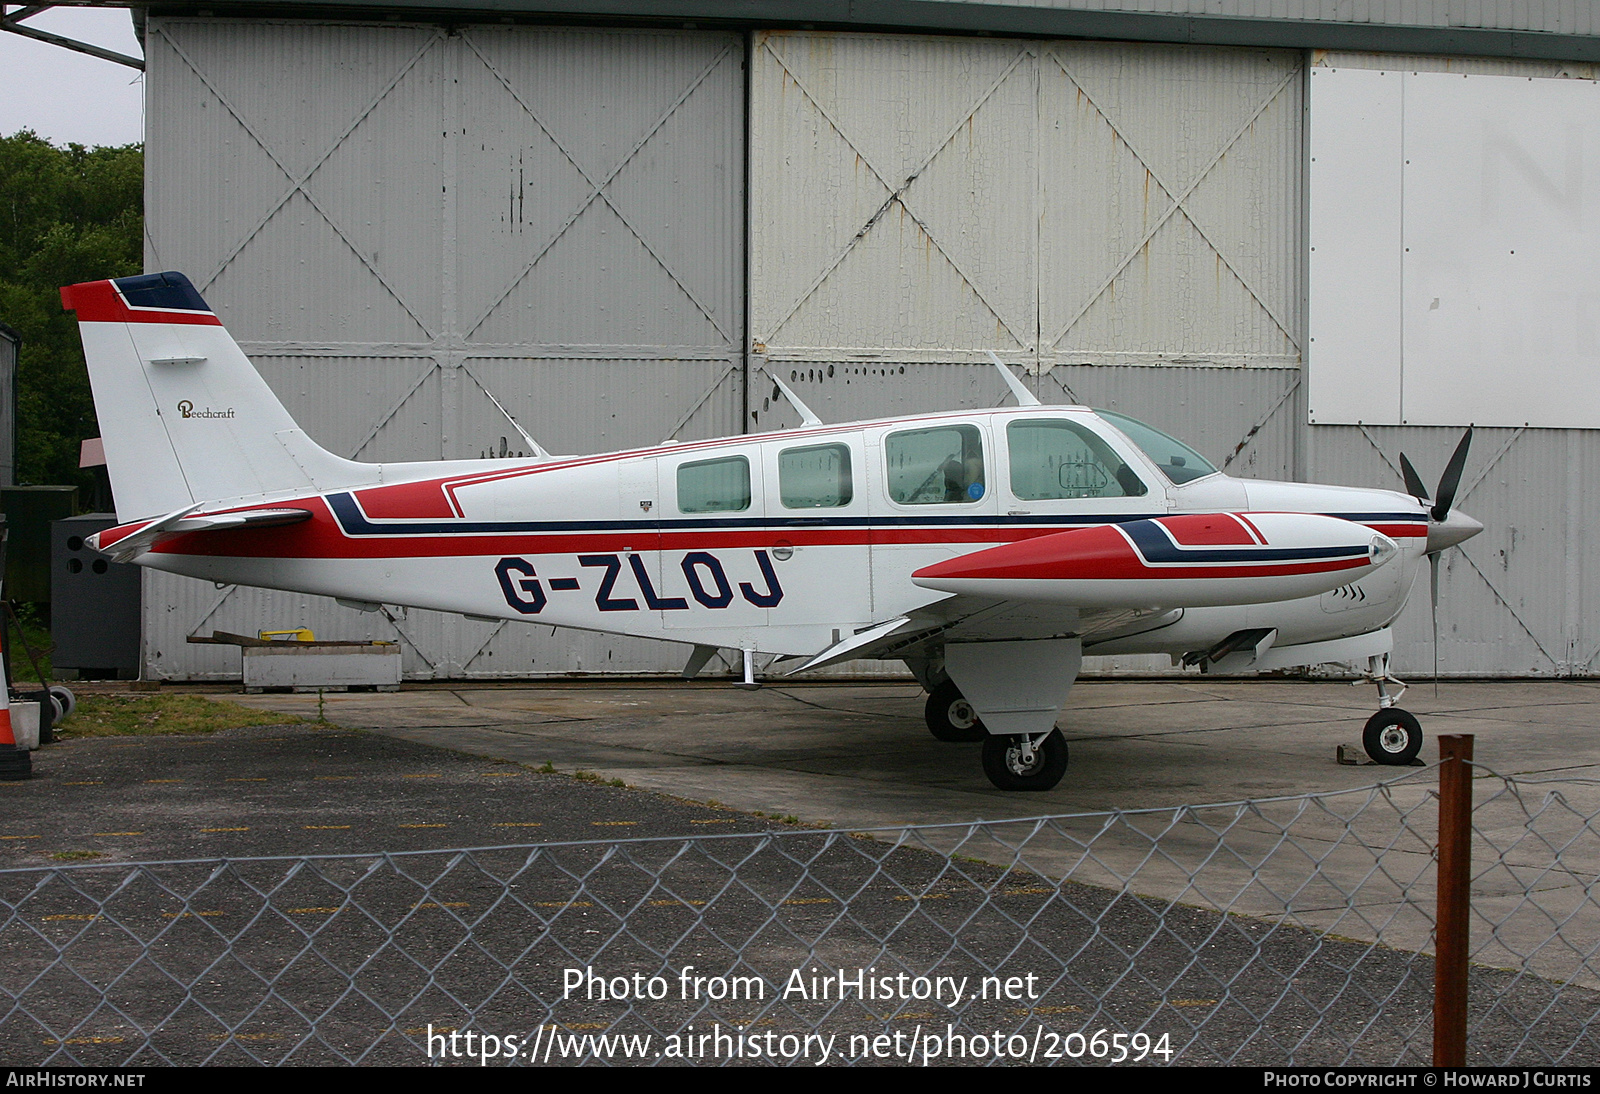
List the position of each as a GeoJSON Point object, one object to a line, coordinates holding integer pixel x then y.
{"type": "Point", "coordinates": [779, 543]}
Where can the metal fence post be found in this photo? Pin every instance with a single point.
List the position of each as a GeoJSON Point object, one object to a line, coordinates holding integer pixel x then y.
{"type": "Point", "coordinates": [1451, 929]}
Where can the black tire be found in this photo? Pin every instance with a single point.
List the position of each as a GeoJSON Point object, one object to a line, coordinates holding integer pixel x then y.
{"type": "Point", "coordinates": [65, 697]}
{"type": "Point", "coordinates": [1003, 764]}
{"type": "Point", "coordinates": [1392, 737]}
{"type": "Point", "coordinates": [950, 717]}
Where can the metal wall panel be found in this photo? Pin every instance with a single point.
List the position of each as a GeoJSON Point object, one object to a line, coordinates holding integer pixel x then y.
{"type": "Point", "coordinates": [921, 200]}
{"type": "Point", "coordinates": [1473, 66]}
{"type": "Point", "coordinates": [1169, 205]}
{"type": "Point", "coordinates": [1513, 600]}
{"type": "Point", "coordinates": [891, 203]}
{"type": "Point", "coordinates": [394, 220]}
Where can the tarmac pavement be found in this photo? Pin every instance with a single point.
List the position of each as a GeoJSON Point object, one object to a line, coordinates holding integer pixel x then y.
{"type": "Point", "coordinates": [857, 756]}
{"type": "Point", "coordinates": [1318, 879]}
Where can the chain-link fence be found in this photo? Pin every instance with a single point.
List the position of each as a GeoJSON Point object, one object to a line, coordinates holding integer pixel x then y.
{"type": "Point", "coordinates": [1293, 930]}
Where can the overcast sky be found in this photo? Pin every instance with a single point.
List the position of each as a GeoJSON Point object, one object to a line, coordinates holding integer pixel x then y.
{"type": "Point", "coordinates": [66, 96]}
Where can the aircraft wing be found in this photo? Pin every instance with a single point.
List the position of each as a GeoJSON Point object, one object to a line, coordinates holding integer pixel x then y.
{"type": "Point", "coordinates": [973, 619]}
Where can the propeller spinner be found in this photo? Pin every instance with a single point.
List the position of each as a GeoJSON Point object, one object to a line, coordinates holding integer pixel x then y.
{"type": "Point", "coordinates": [1446, 526]}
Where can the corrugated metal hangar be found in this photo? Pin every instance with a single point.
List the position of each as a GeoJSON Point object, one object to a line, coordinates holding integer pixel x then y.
{"type": "Point", "coordinates": [611, 214]}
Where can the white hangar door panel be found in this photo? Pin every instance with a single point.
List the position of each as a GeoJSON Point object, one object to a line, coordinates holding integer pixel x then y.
{"type": "Point", "coordinates": [1124, 220]}
{"type": "Point", "coordinates": [396, 222]}
{"type": "Point", "coordinates": [891, 201]}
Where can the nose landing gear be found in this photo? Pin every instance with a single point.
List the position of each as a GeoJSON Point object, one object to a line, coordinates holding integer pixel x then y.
{"type": "Point", "coordinates": [1392, 736]}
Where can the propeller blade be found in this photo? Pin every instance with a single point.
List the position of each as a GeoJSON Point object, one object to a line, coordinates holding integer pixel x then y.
{"type": "Point", "coordinates": [1451, 479]}
{"type": "Point", "coordinates": [1414, 485]}
{"type": "Point", "coordinates": [1433, 590]}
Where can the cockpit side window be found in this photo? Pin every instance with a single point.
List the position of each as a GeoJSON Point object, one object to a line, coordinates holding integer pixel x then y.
{"type": "Point", "coordinates": [1053, 459]}
{"type": "Point", "coordinates": [1177, 461]}
{"type": "Point", "coordinates": [935, 466]}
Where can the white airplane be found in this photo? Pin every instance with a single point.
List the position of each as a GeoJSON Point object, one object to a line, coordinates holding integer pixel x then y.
{"type": "Point", "coordinates": [989, 550]}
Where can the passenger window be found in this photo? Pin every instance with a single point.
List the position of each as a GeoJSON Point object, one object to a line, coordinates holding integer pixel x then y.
{"type": "Point", "coordinates": [934, 466]}
{"type": "Point", "coordinates": [714, 486]}
{"type": "Point", "coordinates": [815, 478]}
{"type": "Point", "coordinates": [1056, 459]}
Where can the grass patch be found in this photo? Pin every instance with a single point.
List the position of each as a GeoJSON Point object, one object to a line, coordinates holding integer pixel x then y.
{"type": "Point", "coordinates": [34, 636]}
{"type": "Point", "coordinates": [144, 715]}
{"type": "Point", "coordinates": [75, 856]}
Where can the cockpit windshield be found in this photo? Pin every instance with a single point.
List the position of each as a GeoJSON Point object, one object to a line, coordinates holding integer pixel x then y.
{"type": "Point", "coordinates": [1176, 460]}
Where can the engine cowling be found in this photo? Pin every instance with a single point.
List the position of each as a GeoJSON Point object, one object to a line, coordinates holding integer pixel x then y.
{"type": "Point", "coordinates": [1181, 561]}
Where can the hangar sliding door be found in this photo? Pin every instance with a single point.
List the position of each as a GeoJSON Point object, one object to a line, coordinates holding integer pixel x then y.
{"type": "Point", "coordinates": [396, 221]}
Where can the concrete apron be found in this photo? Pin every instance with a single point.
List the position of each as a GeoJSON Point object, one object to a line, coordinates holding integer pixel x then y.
{"type": "Point", "coordinates": [857, 756]}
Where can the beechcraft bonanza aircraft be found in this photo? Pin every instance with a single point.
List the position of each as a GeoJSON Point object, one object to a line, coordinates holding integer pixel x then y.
{"type": "Point", "coordinates": [989, 550]}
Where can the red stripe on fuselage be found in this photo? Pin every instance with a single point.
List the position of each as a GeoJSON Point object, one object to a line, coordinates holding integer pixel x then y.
{"type": "Point", "coordinates": [1401, 531]}
{"type": "Point", "coordinates": [407, 501]}
{"type": "Point", "coordinates": [1112, 556]}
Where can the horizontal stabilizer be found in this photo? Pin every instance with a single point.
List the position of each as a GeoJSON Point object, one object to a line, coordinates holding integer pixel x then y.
{"type": "Point", "coordinates": [127, 542]}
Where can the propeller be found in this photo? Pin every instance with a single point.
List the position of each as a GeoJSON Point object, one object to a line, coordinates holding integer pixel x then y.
{"type": "Point", "coordinates": [1446, 529]}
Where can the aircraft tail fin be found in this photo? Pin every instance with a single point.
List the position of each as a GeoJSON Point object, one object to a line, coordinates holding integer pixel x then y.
{"type": "Point", "coordinates": [185, 416]}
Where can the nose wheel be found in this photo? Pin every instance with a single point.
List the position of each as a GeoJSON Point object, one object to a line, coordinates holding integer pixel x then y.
{"type": "Point", "coordinates": [1392, 736]}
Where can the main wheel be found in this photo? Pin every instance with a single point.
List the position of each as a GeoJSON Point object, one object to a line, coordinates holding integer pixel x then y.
{"type": "Point", "coordinates": [950, 717]}
{"type": "Point", "coordinates": [1393, 736]}
{"type": "Point", "coordinates": [1003, 762]}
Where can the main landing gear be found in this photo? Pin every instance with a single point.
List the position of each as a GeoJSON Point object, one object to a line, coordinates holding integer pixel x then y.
{"type": "Point", "coordinates": [1023, 762]}
{"type": "Point", "coordinates": [1392, 736]}
{"type": "Point", "coordinates": [950, 717]}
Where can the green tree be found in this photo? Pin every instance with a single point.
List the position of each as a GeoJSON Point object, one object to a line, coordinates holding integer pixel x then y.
{"type": "Point", "coordinates": [66, 215]}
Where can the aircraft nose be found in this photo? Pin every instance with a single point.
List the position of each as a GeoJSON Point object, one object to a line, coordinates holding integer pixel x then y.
{"type": "Point", "coordinates": [1455, 528]}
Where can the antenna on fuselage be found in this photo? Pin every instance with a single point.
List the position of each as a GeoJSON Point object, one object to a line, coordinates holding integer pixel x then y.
{"type": "Point", "coordinates": [538, 449]}
{"type": "Point", "coordinates": [807, 415]}
{"type": "Point", "coordinates": [1024, 396]}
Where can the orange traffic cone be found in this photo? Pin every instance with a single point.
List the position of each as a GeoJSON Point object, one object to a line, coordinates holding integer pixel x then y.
{"type": "Point", "coordinates": [15, 763]}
